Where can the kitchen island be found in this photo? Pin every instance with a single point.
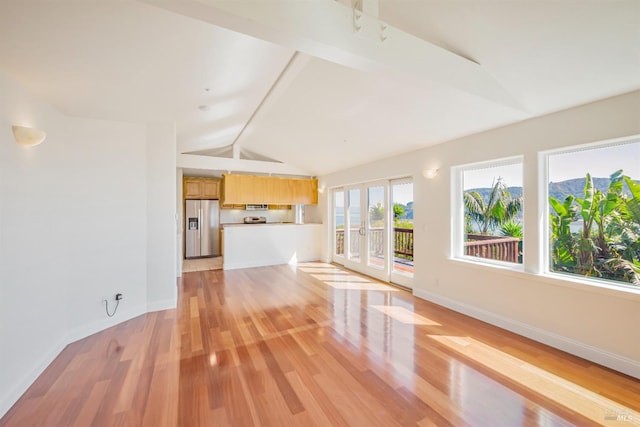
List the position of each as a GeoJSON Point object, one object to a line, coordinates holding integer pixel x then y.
{"type": "Point", "coordinates": [257, 245]}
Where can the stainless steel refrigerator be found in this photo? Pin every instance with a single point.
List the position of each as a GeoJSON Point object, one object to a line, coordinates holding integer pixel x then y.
{"type": "Point", "coordinates": [201, 228]}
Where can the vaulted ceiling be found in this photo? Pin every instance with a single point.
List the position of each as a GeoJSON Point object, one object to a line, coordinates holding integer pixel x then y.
{"type": "Point", "coordinates": [320, 85]}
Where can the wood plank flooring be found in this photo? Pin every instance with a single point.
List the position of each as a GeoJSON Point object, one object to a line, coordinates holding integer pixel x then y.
{"type": "Point", "coordinates": [315, 345]}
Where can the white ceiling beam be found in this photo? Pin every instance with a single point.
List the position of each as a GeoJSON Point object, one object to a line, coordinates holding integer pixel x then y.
{"type": "Point", "coordinates": [194, 161]}
{"type": "Point", "coordinates": [329, 30]}
{"type": "Point", "coordinates": [371, 8]}
{"type": "Point", "coordinates": [293, 68]}
{"type": "Point", "coordinates": [288, 74]}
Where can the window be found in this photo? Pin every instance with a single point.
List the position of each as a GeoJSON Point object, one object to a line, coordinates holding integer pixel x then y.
{"type": "Point", "coordinates": [490, 206]}
{"type": "Point", "coordinates": [594, 212]}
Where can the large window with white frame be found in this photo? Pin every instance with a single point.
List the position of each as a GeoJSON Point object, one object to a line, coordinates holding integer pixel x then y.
{"type": "Point", "coordinates": [593, 204]}
{"type": "Point", "coordinates": [489, 202]}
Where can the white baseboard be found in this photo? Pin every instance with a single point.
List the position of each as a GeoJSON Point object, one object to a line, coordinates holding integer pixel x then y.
{"type": "Point", "coordinates": [167, 304]}
{"type": "Point", "coordinates": [262, 263]}
{"type": "Point", "coordinates": [102, 324]}
{"type": "Point", "coordinates": [12, 396]}
{"type": "Point", "coordinates": [603, 357]}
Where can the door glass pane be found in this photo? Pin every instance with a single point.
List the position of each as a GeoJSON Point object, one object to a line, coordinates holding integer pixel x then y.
{"type": "Point", "coordinates": [338, 221]}
{"type": "Point", "coordinates": [376, 231]}
{"type": "Point", "coordinates": [402, 202]}
{"type": "Point", "coordinates": [354, 224]}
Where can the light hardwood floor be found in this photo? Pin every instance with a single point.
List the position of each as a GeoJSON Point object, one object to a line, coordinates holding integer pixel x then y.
{"type": "Point", "coordinates": [317, 345]}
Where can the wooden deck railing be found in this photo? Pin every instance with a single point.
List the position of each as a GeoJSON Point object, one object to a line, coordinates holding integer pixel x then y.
{"type": "Point", "coordinates": [479, 245]}
{"type": "Point", "coordinates": [402, 241]}
{"type": "Point", "coordinates": [492, 247]}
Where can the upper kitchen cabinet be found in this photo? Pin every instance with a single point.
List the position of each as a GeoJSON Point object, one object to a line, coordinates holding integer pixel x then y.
{"type": "Point", "coordinates": [201, 188]}
{"type": "Point", "coordinates": [269, 190]}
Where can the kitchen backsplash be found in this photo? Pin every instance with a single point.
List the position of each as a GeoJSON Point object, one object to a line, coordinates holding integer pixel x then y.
{"type": "Point", "coordinates": [236, 216]}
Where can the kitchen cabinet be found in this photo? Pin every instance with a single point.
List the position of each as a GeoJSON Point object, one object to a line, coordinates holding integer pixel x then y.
{"type": "Point", "coordinates": [201, 188]}
{"type": "Point", "coordinates": [233, 206]}
{"type": "Point", "coordinates": [251, 189]}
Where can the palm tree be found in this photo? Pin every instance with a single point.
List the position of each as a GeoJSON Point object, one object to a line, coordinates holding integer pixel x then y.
{"type": "Point", "coordinates": [497, 210]}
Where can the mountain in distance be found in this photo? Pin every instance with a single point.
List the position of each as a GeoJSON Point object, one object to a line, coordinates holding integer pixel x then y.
{"type": "Point", "coordinates": [559, 190]}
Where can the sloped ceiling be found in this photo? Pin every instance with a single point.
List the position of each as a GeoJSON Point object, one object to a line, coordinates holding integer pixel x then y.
{"type": "Point", "coordinates": [326, 109]}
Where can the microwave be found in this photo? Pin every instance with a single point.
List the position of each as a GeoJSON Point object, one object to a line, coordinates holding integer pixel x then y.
{"type": "Point", "coordinates": [255, 207]}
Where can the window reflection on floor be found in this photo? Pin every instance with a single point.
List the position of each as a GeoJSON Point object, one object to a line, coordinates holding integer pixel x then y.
{"type": "Point", "coordinates": [386, 313]}
{"type": "Point", "coordinates": [584, 401]}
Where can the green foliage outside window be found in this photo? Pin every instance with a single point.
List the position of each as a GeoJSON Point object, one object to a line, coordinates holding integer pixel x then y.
{"type": "Point", "coordinates": [608, 244]}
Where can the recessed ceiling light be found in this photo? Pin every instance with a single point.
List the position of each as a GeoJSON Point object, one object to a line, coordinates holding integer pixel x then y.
{"type": "Point", "coordinates": [203, 108]}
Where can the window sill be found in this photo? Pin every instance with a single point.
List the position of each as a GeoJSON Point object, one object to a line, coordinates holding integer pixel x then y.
{"type": "Point", "coordinates": [591, 285]}
{"type": "Point", "coordinates": [556, 279]}
{"type": "Point", "coordinates": [489, 264]}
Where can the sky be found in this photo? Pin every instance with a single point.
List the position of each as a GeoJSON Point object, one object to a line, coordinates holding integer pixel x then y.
{"type": "Point", "coordinates": [599, 162]}
{"type": "Point", "coordinates": [402, 193]}
{"type": "Point", "coordinates": [485, 178]}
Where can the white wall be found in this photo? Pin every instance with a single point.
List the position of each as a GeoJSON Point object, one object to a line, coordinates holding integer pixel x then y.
{"type": "Point", "coordinates": [593, 322]}
{"type": "Point", "coordinates": [179, 223]}
{"type": "Point", "coordinates": [162, 292]}
{"type": "Point", "coordinates": [74, 222]}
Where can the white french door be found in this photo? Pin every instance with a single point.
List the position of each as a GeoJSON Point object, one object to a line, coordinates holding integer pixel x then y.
{"type": "Point", "coordinates": [366, 219]}
{"type": "Point", "coordinates": [371, 235]}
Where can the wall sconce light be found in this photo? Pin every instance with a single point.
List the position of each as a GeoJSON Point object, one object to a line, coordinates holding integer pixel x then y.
{"type": "Point", "coordinates": [430, 173]}
{"type": "Point", "coordinates": [28, 137]}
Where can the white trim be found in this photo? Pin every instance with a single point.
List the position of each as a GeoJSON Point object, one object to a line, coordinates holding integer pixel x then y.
{"type": "Point", "coordinates": [12, 396]}
{"type": "Point", "coordinates": [263, 263]}
{"type": "Point", "coordinates": [9, 399]}
{"type": "Point", "coordinates": [457, 206]}
{"type": "Point", "coordinates": [104, 323]}
{"type": "Point", "coordinates": [562, 280]}
{"type": "Point", "coordinates": [167, 304]}
{"type": "Point", "coordinates": [544, 209]}
{"type": "Point", "coordinates": [487, 164]}
{"type": "Point", "coordinates": [631, 139]}
{"type": "Point", "coordinates": [611, 360]}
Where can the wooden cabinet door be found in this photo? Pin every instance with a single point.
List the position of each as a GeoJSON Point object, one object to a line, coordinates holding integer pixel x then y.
{"type": "Point", "coordinates": [201, 188]}
{"type": "Point", "coordinates": [192, 188]}
{"type": "Point", "coordinates": [269, 190]}
{"type": "Point", "coordinates": [210, 189]}
{"type": "Point", "coordinates": [305, 191]}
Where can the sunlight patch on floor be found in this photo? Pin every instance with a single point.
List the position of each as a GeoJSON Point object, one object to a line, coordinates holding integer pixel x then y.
{"type": "Point", "coordinates": [403, 315]}
{"type": "Point", "coordinates": [316, 265]}
{"type": "Point", "coordinates": [587, 403]}
{"type": "Point", "coordinates": [360, 286]}
{"type": "Point", "coordinates": [341, 277]}
{"type": "Point", "coordinates": [326, 270]}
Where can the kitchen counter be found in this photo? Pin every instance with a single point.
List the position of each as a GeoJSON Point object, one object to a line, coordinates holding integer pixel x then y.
{"type": "Point", "coordinates": [261, 224]}
{"type": "Point", "coordinates": [257, 245]}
